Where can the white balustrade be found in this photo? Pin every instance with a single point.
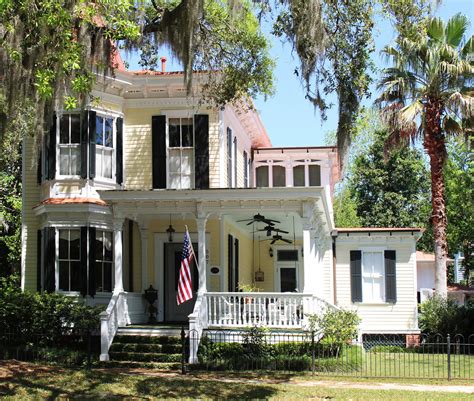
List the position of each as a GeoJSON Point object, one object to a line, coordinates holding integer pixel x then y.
{"type": "Point", "coordinates": [268, 309]}
{"type": "Point", "coordinates": [198, 321]}
{"type": "Point", "coordinates": [110, 320]}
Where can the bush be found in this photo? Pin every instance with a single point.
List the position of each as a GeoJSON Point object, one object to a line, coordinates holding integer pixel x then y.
{"type": "Point", "coordinates": [443, 316]}
{"type": "Point", "coordinates": [49, 319]}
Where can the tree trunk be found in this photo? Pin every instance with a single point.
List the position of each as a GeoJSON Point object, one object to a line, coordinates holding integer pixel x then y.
{"type": "Point", "coordinates": [434, 144]}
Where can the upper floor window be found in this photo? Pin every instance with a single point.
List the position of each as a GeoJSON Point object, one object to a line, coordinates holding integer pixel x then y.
{"type": "Point", "coordinates": [230, 159]}
{"type": "Point", "coordinates": [69, 259]}
{"type": "Point", "coordinates": [262, 176]}
{"type": "Point", "coordinates": [70, 145]}
{"type": "Point", "coordinates": [307, 175]}
{"type": "Point", "coordinates": [104, 147]}
{"type": "Point", "coordinates": [279, 176]}
{"type": "Point", "coordinates": [181, 153]}
{"type": "Point", "coordinates": [246, 170]}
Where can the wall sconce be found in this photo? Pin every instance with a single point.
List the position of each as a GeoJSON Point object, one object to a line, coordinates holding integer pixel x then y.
{"type": "Point", "coordinates": [270, 252]}
{"type": "Point", "coordinates": [170, 230]}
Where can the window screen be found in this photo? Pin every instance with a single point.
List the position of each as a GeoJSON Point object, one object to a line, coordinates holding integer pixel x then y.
{"type": "Point", "coordinates": [279, 176]}
{"type": "Point", "coordinates": [262, 176]}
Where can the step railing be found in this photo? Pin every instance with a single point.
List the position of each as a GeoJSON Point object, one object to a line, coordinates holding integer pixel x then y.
{"type": "Point", "coordinates": [198, 321]}
{"type": "Point", "coordinates": [110, 320]}
{"type": "Point", "coordinates": [268, 309]}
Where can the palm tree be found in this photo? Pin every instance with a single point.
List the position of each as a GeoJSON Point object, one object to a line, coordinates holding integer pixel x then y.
{"type": "Point", "coordinates": [428, 93]}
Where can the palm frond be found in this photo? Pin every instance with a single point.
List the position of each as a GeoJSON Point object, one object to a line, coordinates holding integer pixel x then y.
{"type": "Point", "coordinates": [455, 29]}
{"type": "Point", "coordinates": [436, 29]}
{"type": "Point", "coordinates": [468, 49]}
{"type": "Point", "coordinates": [451, 126]}
{"type": "Point", "coordinates": [462, 103]}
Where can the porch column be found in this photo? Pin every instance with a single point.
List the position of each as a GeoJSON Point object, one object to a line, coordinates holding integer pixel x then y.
{"type": "Point", "coordinates": [118, 260]}
{"type": "Point", "coordinates": [201, 226]}
{"type": "Point", "coordinates": [144, 244]}
{"type": "Point", "coordinates": [310, 270]}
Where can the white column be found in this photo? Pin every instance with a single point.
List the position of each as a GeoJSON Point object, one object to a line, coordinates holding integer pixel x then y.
{"type": "Point", "coordinates": [144, 244]}
{"type": "Point", "coordinates": [310, 266]}
{"type": "Point", "coordinates": [201, 226]}
{"type": "Point", "coordinates": [118, 259]}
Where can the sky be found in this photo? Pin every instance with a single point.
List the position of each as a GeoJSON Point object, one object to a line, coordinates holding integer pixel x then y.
{"type": "Point", "coordinates": [289, 118]}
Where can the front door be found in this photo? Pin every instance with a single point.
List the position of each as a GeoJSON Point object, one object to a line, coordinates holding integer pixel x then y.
{"type": "Point", "coordinates": [173, 312]}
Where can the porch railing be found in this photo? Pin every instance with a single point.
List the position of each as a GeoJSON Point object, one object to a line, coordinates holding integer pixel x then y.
{"type": "Point", "coordinates": [110, 320]}
{"type": "Point", "coordinates": [269, 309]}
{"type": "Point", "coordinates": [198, 321]}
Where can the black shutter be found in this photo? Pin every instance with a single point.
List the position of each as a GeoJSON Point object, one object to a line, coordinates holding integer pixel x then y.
{"type": "Point", "coordinates": [51, 151]}
{"type": "Point", "coordinates": [390, 277]}
{"type": "Point", "coordinates": [84, 142]}
{"type": "Point", "coordinates": [39, 173]}
{"type": "Point", "coordinates": [92, 142]}
{"type": "Point", "coordinates": [201, 151]}
{"type": "Point", "coordinates": [356, 276]}
{"type": "Point", "coordinates": [236, 265]}
{"type": "Point", "coordinates": [92, 233]}
{"type": "Point", "coordinates": [119, 151]}
{"type": "Point", "coordinates": [39, 248]}
{"type": "Point", "coordinates": [130, 255]}
{"type": "Point", "coordinates": [49, 259]}
{"type": "Point", "coordinates": [230, 261]}
{"type": "Point", "coordinates": [158, 137]}
{"type": "Point", "coordinates": [83, 274]}
{"type": "Point", "coordinates": [229, 157]}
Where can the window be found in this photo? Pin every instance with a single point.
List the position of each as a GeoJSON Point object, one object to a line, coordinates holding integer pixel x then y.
{"type": "Point", "coordinates": [181, 157]}
{"type": "Point", "coordinates": [262, 176]}
{"type": "Point", "coordinates": [246, 170]}
{"type": "Point", "coordinates": [229, 157]}
{"type": "Point", "coordinates": [234, 177]}
{"type": "Point", "coordinates": [70, 144]}
{"type": "Point", "coordinates": [314, 175]}
{"type": "Point", "coordinates": [299, 176]}
{"type": "Point", "coordinates": [279, 173]}
{"type": "Point", "coordinates": [104, 147]}
{"type": "Point", "coordinates": [103, 261]}
{"type": "Point", "coordinates": [69, 257]}
{"type": "Point", "coordinates": [373, 277]}
{"type": "Point", "coordinates": [287, 255]}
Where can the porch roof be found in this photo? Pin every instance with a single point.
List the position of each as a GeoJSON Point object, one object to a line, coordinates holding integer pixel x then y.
{"type": "Point", "coordinates": [311, 202]}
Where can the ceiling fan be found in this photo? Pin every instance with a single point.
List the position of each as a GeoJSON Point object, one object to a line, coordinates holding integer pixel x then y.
{"type": "Point", "coordinates": [278, 237]}
{"type": "Point", "coordinates": [270, 228]}
{"type": "Point", "coordinates": [258, 218]}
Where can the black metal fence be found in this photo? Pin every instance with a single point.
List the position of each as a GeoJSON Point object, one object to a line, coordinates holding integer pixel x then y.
{"type": "Point", "coordinates": [434, 357]}
{"type": "Point", "coordinates": [74, 348]}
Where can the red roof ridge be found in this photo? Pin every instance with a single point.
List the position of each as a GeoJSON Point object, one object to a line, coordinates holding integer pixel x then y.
{"type": "Point", "coordinates": [73, 201]}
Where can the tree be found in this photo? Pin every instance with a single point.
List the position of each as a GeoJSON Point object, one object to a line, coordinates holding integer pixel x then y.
{"type": "Point", "coordinates": [427, 93]}
{"type": "Point", "coordinates": [459, 178]}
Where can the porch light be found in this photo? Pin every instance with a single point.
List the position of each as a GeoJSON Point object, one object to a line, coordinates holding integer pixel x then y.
{"type": "Point", "coordinates": [170, 230]}
{"type": "Point", "coordinates": [270, 252]}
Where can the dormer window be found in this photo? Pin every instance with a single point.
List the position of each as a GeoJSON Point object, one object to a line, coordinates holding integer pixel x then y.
{"type": "Point", "coordinates": [70, 145]}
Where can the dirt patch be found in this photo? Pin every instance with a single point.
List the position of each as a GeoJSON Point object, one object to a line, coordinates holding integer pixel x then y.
{"type": "Point", "coordinates": [10, 369]}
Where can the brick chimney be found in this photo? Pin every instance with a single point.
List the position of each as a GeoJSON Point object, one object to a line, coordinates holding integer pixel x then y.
{"type": "Point", "coordinates": [163, 64]}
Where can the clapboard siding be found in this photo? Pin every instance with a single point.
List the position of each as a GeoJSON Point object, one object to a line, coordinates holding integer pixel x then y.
{"type": "Point", "coordinates": [31, 198]}
{"type": "Point", "coordinates": [400, 316]}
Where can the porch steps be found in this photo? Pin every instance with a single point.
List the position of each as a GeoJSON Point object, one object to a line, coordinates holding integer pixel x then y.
{"type": "Point", "coordinates": [154, 347]}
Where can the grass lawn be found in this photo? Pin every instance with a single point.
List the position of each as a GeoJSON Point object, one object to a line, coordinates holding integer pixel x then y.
{"type": "Point", "coordinates": [28, 381]}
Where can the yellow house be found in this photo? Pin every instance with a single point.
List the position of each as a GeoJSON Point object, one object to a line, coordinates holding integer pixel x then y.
{"type": "Point", "coordinates": [104, 218]}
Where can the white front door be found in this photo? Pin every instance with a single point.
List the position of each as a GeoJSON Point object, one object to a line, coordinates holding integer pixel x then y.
{"type": "Point", "coordinates": [287, 270]}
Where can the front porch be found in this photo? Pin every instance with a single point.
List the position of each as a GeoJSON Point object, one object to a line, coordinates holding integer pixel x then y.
{"type": "Point", "coordinates": [290, 276]}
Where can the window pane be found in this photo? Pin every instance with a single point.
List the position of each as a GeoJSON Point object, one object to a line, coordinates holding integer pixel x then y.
{"type": "Point", "coordinates": [187, 132]}
{"type": "Point", "coordinates": [64, 161]}
{"type": "Point", "coordinates": [279, 176]}
{"type": "Point", "coordinates": [186, 161]}
{"type": "Point", "coordinates": [75, 161]}
{"type": "Point", "coordinates": [107, 287]}
{"type": "Point", "coordinates": [75, 245]}
{"type": "Point", "coordinates": [314, 175]}
{"type": "Point", "coordinates": [98, 276]}
{"type": "Point", "coordinates": [99, 247]}
{"type": "Point", "coordinates": [175, 163]}
{"type": "Point", "coordinates": [98, 162]}
{"type": "Point", "coordinates": [109, 133]}
{"type": "Point", "coordinates": [108, 245]}
{"type": "Point", "coordinates": [298, 176]}
{"type": "Point", "coordinates": [288, 279]}
{"type": "Point", "coordinates": [175, 181]}
{"type": "Point", "coordinates": [64, 276]}
{"type": "Point", "coordinates": [64, 129]}
{"type": "Point", "coordinates": [185, 182]}
{"type": "Point", "coordinates": [75, 276]}
{"type": "Point", "coordinates": [75, 128]}
{"type": "Point", "coordinates": [63, 244]}
{"type": "Point", "coordinates": [107, 166]}
{"type": "Point", "coordinates": [262, 176]}
{"type": "Point", "coordinates": [174, 140]}
{"type": "Point", "coordinates": [99, 128]}
{"type": "Point", "coordinates": [287, 255]}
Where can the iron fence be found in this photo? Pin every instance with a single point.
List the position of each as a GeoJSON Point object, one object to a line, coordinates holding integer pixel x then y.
{"type": "Point", "coordinates": [73, 348]}
{"type": "Point", "coordinates": [392, 356]}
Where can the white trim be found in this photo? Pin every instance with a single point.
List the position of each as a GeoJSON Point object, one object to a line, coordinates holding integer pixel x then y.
{"type": "Point", "coordinates": [286, 264]}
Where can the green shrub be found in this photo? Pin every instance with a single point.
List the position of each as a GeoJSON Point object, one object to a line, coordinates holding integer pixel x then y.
{"type": "Point", "coordinates": [394, 349]}
{"type": "Point", "coordinates": [443, 316]}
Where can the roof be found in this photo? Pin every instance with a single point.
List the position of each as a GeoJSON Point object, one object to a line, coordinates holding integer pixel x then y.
{"type": "Point", "coordinates": [428, 257]}
{"type": "Point", "coordinates": [73, 201]}
{"type": "Point", "coordinates": [460, 288]}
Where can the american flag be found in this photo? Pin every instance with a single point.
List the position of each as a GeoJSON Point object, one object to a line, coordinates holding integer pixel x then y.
{"type": "Point", "coordinates": [185, 285]}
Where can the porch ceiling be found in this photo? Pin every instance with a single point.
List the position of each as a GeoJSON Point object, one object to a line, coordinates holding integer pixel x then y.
{"type": "Point", "coordinates": [236, 204]}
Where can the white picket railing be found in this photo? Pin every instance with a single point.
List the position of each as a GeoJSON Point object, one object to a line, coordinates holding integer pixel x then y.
{"type": "Point", "coordinates": [269, 309]}
{"type": "Point", "coordinates": [111, 319]}
{"type": "Point", "coordinates": [198, 321]}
